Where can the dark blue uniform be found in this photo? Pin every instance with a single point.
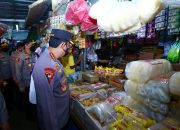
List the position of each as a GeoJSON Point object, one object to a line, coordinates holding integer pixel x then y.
{"type": "Point", "coordinates": [3, 110]}
{"type": "Point", "coordinates": [5, 70]}
{"type": "Point", "coordinates": [52, 92]}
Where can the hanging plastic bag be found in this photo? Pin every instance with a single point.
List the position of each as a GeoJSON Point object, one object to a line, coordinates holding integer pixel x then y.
{"type": "Point", "coordinates": [174, 52]}
{"type": "Point", "coordinates": [75, 11]}
{"type": "Point", "coordinates": [88, 24]}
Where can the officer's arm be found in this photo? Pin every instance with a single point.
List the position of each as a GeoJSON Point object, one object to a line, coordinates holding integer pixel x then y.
{"type": "Point", "coordinates": [45, 99]}
{"type": "Point", "coordinates": [18, 67]}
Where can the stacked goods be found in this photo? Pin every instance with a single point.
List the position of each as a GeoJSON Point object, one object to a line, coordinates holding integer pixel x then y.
{"type": "Point", "coordinates": [144, 70]}
{"type": "Point", "coordinates": [106, 71]}
{"type": "Point", "coordinates": [129, 119]}
{"type": "Point", "coordinates": [174, 84]}
{"type": "Point", "coordinates": [143, 86]}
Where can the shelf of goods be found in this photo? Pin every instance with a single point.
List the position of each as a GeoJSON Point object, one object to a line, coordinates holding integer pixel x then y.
{"type": "Point", "coordinates": [146, 103]}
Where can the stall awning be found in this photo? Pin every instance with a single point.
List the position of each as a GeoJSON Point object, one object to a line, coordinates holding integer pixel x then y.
{"type": "Point", "coordinates": [36, 11]}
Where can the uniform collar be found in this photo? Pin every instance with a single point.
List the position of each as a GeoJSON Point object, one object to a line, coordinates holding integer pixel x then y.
{"type": "Point", "coordinates": [48, 52]}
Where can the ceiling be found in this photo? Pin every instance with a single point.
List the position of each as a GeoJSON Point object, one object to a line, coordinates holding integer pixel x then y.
{"type": "Point", "coordinates": [15, 11]}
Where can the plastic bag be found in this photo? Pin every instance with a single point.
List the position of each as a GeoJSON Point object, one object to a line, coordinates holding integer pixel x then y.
{"type": "Point", "coordinates": [156, 106]}
{"type": "Point", "coordinates": [101, 7]}
{"type": "Point", "coordinates": [157, 90]}
{"type": "Point", "coordinates": [174, 84]}
{"type": "Point", "coordinates": [143, 70]}
{"type": "Point", "coordinates": [88, 24]}
{"type": "Point", "coordinates": [148, 9]}
{"type": "Point", "coordinates": [119, 21]}
{"type": "Point", "coordinates": [174, 52]}
{"type": "Point", "coordinates": [131, 88]}
{"type": "Point", "coordinates": [76, 11]}
{"type": "Point", "coordinates": [104, 112]}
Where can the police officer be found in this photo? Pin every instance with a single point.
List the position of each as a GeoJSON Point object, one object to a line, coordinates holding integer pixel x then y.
{"type": "Point", "coordinates": [51, 85]}
{"type": "Point", "coordinates": [14, 58]}
{"type": "Point", "coordinates": [23, 73]}
{"type": "Point", "coordinates": [4, 125]}
{"type": "Point", "coordinates": [5, 75]}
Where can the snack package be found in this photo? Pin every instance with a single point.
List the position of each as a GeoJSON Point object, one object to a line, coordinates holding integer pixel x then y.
{"type": "Point", "coordinates": [143, 70]}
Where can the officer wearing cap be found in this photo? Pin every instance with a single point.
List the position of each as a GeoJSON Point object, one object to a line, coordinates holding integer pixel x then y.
{"type": "Point", "coordinates": [23, 73]}
{"type": "Point", "coordinates": [14, 58]}
{"type": "Point", "coordinates": [51, 85]}
{"type": "Point", "coordinates": [5, 75]}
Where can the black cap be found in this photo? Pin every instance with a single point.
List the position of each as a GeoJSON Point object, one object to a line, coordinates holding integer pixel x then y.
{"type": "Point", "coordinates": [59, 36]}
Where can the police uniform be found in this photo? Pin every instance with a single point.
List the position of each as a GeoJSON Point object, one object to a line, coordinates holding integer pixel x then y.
{"type": "Point", "coordinates": [13, 60]}
{"type": "Point", "coordinates": [3, 111]}
{"type": "Point", "coordinates": [24, 67]}
{"type": "Point", "coordinates": [5, 70]}
{"type": "Point", "coordinates": [5, 75]}
{"type": "Point", "coordinates": [51, 88]}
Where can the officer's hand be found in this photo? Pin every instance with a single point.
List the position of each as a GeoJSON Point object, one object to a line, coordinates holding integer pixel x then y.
{"type": "Point", "coordinates": [22, 89]}
{"type": "Point", "coordinates": [5, 126]}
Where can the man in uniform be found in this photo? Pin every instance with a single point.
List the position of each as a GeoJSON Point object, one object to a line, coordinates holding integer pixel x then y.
{"type": "Point", "coordinates": [51, 85]}
{"type": "Point", "coordinates": [24, 68]}
{"type": "Point", "coordinates": [5, 75]}
{"type": "Point", "coordinates": [14, 58]}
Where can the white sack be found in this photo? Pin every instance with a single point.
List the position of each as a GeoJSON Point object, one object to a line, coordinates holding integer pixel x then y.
{"type": "Point", "coordinates": [148, 9]}
{"type": "Point", "coordinates": [101, 7]}
{"type": "Point", "coordinates": [131, 89]}
{"type": "Point", "coordinates": [143, 70]}
{"type": "Point", "coordinates": [174, 84]}
{"type": "Point", "coordinates": [124, 17]}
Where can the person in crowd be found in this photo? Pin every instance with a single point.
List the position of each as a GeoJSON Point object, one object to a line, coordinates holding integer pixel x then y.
{"type": "Point", "coordinates": [4, 125]}
{"type": "Point", "coordinates": [14, 58]}
{"type": "Point", "coordinates": [68, 62]}
{"type": "Point", "coordinates": [24, 68]}
{"type": "Point", "coordinates": [6, 76]}
{"type": "Point", "coordinates": [51, 84]}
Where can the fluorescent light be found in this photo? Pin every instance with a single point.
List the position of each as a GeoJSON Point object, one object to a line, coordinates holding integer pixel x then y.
{"type": "Point", "coordinates": [17, 27]}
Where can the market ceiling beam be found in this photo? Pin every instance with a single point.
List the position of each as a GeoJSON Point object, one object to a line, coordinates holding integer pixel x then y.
{"type": "Point", "coordinates": [12, 20]}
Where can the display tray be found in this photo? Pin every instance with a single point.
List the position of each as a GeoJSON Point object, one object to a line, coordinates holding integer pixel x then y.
{"type": "Point", "coordinates": [91, 100]}
{"type": "Point", "coordinates": [77, 84]}
{"type": "Point", "coordinates": [106, 113]}
{"type": "Point", "coordinates": [81, 92]}
{"type": "Point", "coordinates": [99, 85]}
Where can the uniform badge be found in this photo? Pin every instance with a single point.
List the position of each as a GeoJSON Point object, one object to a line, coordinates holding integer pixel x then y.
{"type": "Point", "coordinates": [17, 59]}
{"type": "Point", "coordinates": [63, 89]}
{"type": "Point", "coordinates": [60, 70]}
{"type": "Point", "coordinates": [49, 72]}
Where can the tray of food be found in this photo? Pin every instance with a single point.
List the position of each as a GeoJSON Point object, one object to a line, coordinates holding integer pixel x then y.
{"type": "Point", "coordinates": [78, 83]}
{"type": "Point", "coordinates": [99, 85]}
{"type": "Point", "coordinates": [91, 100]}
{"type": "Point", "coordinates": [81, 92]}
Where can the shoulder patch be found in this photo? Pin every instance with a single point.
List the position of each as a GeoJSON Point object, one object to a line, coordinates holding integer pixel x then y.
{"type": "Point", "coordinates": [49, 73]}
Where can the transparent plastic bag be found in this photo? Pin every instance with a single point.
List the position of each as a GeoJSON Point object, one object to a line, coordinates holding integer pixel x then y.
{"type": "Point", "coordinates": [104, 112]}
{"type": "Point", "coordinates": [76, 11]}
{"type": "Point", "coordinates": [156, 106]}
{"type": "Point", "coordinates": [157, 89]}
{"type": "Point", "coordinates": [131, 88]}
{"type": "Point", "coordinates": [174, 84]}
{"type": "Point", "coordinates": [143, 70]}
